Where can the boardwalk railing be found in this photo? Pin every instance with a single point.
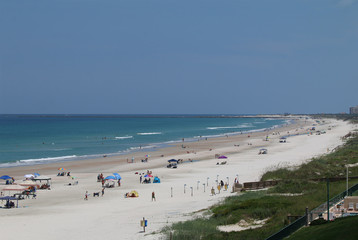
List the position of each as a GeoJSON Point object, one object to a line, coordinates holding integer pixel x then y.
{"type": "Point", "coordinates": [302, 221]}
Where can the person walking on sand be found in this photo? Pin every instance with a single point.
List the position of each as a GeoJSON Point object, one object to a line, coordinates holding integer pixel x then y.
{"type": "Point", "coordinates": [140, 179]}
{"type": "Point", "coordinates": [212, 191]}
{"type": "Point", "coordinates": [102, 192]}
{"type": "Point", "coordinates": [86, 195]}
{"type": "Point", "coordinates": [153, 196]}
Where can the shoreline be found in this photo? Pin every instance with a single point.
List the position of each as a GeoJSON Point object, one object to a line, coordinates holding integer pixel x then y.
{"type": "Point", "coordinates": [113, 215]}
{"type": "Point", "coordinates": [139, 153]}
{"type": "Point", "coordinates": [150, 147]}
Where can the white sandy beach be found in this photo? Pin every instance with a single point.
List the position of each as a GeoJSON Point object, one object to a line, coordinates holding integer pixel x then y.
{"type": "Point", "coordinates": [62, 211]}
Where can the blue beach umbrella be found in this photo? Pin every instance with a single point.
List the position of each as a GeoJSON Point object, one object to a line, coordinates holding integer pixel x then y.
{"type": "Point", "coordinates": [5, 177]}
{"type": "Point", "coordinates": [173, 160]}
{"type": "Point", "coordinates": [36, 174]}
{"type": "Point", "coordinates": [110, 177]}
{"type": "Point", "coordinates": [117, 176]}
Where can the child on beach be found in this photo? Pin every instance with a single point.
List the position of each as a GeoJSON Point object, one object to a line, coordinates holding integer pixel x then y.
{"type": "Point", "coordinates": [212, 191]}
{"type": "Point", "coordinates": [86, 195]}
{"type": "Point", "coordinates": [153, 196]}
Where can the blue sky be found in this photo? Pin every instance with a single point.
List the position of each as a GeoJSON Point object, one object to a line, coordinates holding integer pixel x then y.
{"type": "Point", "coordinates": [163, 56]}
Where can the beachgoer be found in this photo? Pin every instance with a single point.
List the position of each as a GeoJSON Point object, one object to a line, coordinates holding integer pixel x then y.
{"type": "Point", "coordinates": [86, 195]}
{"type": "Point", "coordinates": [119, 182]}
{"type": "Point", "coordinates": [102, 182]}
{"type": "Point", "coordinates": [222, 183]}
{"type": "Point", "coordinates": [153, 196]}
{"type": "Point", "coordinates": [102, 192]}
{"type": "Point", "coordinates": [140, 179]}
{"type": "Point", "coordinates": [212, 191]}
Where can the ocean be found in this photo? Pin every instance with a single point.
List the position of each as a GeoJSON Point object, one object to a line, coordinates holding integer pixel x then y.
{"type": "Point", "coordinates": [38, 139]}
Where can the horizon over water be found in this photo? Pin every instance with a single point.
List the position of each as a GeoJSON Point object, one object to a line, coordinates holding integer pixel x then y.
{"type": "Point", "coordinates": [28, 139]}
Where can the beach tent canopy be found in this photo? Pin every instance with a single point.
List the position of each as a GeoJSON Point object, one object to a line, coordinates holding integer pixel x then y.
{"type": "Point", "coordinates": [7, 198]}
{"type": "Point", "coordinates": [36, 174]}
{"type": "Point", "coordinates": [110, 177]}
{"type": "Point", "coordinates": [15, 188]}
{"type": "Point", "coordinates": [40, 178]}
{"type": "Point", "coordinates": [148, 175]}
{"type": "Point", "coordinates": [117, 176]}
{"type": "Point", "coordinates": [156, 180]}
{"type": "Point", "coordinates": [173, 160]}
{"type": "Point", "coordinates": [282, 137]}
{"type": "Point", "coordinates": [5, 177]}
{"type": "Point", "coordinates": [133, 193]}
{"type": "Point", "coordinates": [222, 157]}
{"type": "Point", "coordinates": [29, 176]}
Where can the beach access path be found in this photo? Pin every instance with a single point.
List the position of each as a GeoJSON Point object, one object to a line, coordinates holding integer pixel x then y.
{"type": "Point", "coordinates": [62, 211]}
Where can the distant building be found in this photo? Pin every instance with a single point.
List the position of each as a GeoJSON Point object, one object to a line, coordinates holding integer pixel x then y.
{"type": "Point", "coordinates": [353, 110]}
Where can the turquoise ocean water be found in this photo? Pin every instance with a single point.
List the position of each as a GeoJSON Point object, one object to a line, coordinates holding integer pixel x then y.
{"type": "Point", "coordinates": [34, 139]}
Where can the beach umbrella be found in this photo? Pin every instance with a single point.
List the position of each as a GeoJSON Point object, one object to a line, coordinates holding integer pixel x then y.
{"type": "Point", "coordinates": [147, 156]}
{"type": "Point", "coordinates": [36, 174]}
{"type": "Point", "coordinates": [62, 169]}
{"type": "Point", "coordinates": [5, 177]}
{"type": "Point", "coordinates": [110, 177]}
{"type": "Point", "coordinates": [172, 160]}
{"type": "Point", "coordinates": [29, 176]}
{"type": "Point", "coordinates": [148, 175]}
{"type": "Point", "coordinates": [117, 176]}
{"type": "Point", "coordinates": [222, 157]}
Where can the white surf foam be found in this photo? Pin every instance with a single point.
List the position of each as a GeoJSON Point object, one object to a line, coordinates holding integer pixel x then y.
{"type": "Point", "coordinates": [244, 125]}
{"type": "Point", "coordinates": [124, 137]}
{"type": "Point", "coordinates": [47, 159]}
{"type": "Point", "coordinates": [150, 133]}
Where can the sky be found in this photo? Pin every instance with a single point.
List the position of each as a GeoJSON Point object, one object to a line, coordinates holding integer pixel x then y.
{"type": "Point", "coordinates": [178, 57]}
